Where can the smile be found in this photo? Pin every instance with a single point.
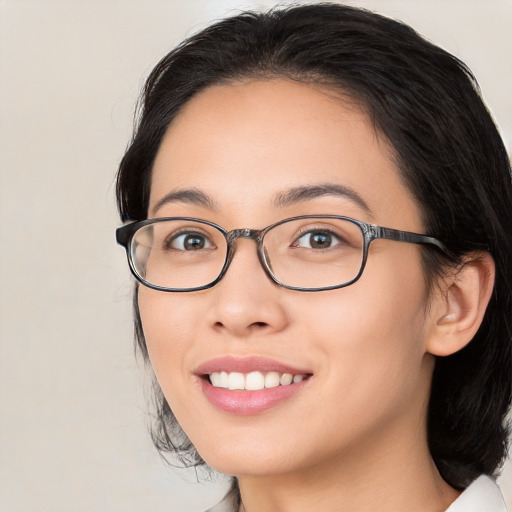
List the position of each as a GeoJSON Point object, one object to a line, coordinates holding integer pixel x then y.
{"type": "Point", "coordinates": [250, 385]}
{"type": "Point", "coordinates": [253, 381]}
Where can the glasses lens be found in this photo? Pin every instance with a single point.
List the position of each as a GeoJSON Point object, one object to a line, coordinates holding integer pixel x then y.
{"type": "Point", "coordinates": [314, 252]}
{"type": "Point", "coordinates": [178, 254]}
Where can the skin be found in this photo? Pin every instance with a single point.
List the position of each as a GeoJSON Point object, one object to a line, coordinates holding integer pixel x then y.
{"type": "Point", "coordinates": [354, 438]}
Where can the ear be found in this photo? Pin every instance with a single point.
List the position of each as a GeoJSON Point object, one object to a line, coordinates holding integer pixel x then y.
{"type": "Point", "coordinates": [459, 307]}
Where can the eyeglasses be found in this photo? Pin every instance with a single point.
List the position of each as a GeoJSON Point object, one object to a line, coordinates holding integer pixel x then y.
{"type": "Point", "coordinates": [305, 253]}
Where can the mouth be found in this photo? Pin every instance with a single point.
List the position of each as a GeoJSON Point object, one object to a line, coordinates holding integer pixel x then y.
{"type": "Point", "coordinates": [250, 385]}
{"type": "Point", "coordinates": [254, 380]}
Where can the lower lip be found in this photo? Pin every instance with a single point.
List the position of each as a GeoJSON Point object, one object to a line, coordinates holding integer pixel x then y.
{"type": "Point", "coordinates": [248, 403]}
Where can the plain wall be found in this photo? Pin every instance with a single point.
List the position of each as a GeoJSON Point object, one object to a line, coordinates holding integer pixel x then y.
{"type": "Point", "coordinates": [72, 414]}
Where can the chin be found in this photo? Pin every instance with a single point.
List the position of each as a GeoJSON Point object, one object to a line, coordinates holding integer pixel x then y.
{"type": "Point", "coordinates": [244, 465]}
{"type": "Point", "coordinates": [257, 457]}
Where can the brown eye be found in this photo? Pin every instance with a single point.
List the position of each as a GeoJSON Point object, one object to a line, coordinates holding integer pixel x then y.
{"type": "Point", "coordinates": [317, 240]}
{"type": "Point", "coordinates": [190, 242]}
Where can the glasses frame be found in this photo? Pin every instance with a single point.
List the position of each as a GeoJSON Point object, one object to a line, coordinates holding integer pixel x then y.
{"type": "Point", "coordinates": [370, 232]}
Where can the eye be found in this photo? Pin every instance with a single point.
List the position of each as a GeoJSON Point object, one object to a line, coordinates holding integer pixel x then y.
{"type": "Point", "coordinates": [318, 239]}
{"type": "Point", "coordinates": [189, 242]}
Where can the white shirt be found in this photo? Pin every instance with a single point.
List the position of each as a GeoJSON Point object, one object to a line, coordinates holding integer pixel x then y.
{"type": "Point", "coordinates": [483, 495]}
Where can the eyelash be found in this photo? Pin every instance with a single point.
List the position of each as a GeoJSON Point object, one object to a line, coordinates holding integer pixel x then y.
{"type": "Point", "coordinates": [309, 229]}
{"type": "Point", "coordinates": [167, 244]}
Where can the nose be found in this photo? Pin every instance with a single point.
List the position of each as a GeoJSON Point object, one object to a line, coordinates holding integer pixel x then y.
{"type": "Point", "coordinates": [246, 301]}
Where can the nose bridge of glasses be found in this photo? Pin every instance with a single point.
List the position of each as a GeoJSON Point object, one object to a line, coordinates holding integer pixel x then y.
{"type": "Point", "coordinates": [245, 233]}
{"type": "Point", "coordinates": [253, 234]}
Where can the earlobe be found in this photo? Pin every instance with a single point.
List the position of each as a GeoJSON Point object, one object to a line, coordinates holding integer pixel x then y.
{"type": "Point", "coordinates": [460, 307]}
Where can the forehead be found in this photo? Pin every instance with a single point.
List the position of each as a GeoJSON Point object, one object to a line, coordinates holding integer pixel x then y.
{"type": "Point", "coordinates": [244, 142]}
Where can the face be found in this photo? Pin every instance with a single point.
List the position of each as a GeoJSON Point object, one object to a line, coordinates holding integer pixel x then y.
{"type": "Point", "coordinates": [359, 350]}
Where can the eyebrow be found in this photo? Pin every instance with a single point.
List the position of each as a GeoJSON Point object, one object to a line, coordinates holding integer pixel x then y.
{"type": "Point", "coordinates": [308, 192]}
{"type": "Point", "coordinates": [283, 199]}
{"type": "Point", "coordinates": [188, 195]}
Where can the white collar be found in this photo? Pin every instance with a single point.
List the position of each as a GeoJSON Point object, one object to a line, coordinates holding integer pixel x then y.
{"type": "Point", "coordinates": [483, 495]}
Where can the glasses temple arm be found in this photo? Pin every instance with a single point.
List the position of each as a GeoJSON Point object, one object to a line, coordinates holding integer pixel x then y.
{"type": "Point", "coordinates": [411, 238]}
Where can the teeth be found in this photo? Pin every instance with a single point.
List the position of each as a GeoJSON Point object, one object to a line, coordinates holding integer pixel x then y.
{"type": "Point", "coordinates": [224, 380]}
{"type": "Point", "coordinates": [236, 380]}
{"type": "Point", "coordinates": [253, 381]}
{"type": "Point", "coordinates": [215, 379]}
{"type": "Point", "coordinates": [272, 380]}
{"type": "Point", "coordinates": [286, 378]}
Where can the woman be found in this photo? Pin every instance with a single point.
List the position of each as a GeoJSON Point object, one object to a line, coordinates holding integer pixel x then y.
{"type": "Point", "coordinates": [322, 233]}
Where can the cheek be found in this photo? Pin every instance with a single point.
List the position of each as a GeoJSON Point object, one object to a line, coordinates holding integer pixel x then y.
{"type": "Point", "coordinates": [369, 336]}
{"type": "Point", "coordinates": [168, 324]}
{"type": "Point", "coordinates": [372, 334]}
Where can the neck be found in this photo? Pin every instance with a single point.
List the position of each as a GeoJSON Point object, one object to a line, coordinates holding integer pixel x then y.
{"type": "Point", "coordinates": [393, 474]}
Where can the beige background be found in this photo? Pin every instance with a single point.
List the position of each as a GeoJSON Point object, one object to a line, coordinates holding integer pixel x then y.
{"type": "Point", "coordinates": [72, 415]}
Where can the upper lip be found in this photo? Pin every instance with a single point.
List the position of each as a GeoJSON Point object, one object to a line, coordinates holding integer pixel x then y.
{"type": "Point", "coordinates": [246, 365]}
